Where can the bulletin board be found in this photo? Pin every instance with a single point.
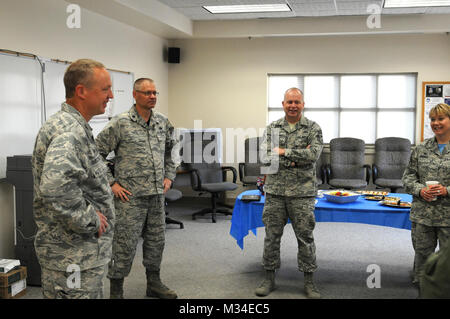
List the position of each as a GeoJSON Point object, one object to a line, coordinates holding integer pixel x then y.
{"type": "Point", "coordinates": [432, 93]}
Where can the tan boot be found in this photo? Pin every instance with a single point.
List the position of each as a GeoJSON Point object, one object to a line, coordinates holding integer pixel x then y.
{"type": "Point", "coordinates": [155, 288]}
{"type": "Point", "coordinates": [116, 288]}
{"type": "Point", "coordinates": [267, 285]}
{"type": "Point", "coordinates": [311, 290]}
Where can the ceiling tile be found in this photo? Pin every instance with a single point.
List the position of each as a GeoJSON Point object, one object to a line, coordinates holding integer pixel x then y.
{"type": "Point", "coordinates": [301, 8]}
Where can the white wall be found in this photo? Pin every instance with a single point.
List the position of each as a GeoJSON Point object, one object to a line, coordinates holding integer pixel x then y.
{"type": "Point", "coordinates": [39, 27]}
{"type": "Point", "coordinates": [224, 81]}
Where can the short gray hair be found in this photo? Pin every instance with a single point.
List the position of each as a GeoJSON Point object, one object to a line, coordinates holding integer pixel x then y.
{"type": "Point", "coordinates": [139, 81]}
{"type": "Point", "coordinates": [80, 72]}
{"type": "Point", "coordinates": [293, 89]}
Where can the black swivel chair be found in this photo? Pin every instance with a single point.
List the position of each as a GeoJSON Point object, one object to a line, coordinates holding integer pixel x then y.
{"type": "Point", "coordinates": [250, 170]}
{"type": "Point", "coordinates": [391, 158]}
{"type": "Point", "coordinates": [211, 178]}
{"type": "Point", "coordinates": [347, 168]}
{"type": "Point", "coordinates": [171, 196]}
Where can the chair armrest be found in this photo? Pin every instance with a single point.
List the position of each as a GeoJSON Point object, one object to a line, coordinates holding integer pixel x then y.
{"type": "Point", "coordinates": [230, 168]}
{"type": "Point", "coordinates": [327, 171]}
{"type": "Point", "coordinates": [367, 167]}
{"type": "Point", "coordinates": [323, 174]}
{"type": "Point", "coordinates": [195, 177]}
{"type": "Point", "coordinates": [374, 172]}
{"type": "Point", "coordinates": [241, 171]}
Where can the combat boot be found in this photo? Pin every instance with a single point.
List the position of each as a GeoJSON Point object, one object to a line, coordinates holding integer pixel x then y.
{"type": "Point", "coordinates": [116, 288]}
{"type": "Point", "coordinates": [311, 290]}
{"type": "Point", "coordinates": [267, 285]}
{"type": "Point", "coordinates": [155, 288]}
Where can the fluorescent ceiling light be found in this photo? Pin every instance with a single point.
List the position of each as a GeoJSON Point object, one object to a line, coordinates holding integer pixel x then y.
{"type": "Point", "coordinates": [415, 3]}
{"type": "Point", "coordinates": [248, 8]}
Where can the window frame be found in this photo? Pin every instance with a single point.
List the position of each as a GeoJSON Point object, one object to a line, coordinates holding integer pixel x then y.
{"type": "Point", "coordinates": [340, 109]}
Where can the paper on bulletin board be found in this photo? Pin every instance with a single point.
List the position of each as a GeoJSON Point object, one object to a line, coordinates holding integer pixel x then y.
{"type": "Point", "coordinates": [434, 94]}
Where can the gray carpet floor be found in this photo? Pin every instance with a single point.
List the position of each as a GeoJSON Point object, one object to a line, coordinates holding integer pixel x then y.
{"type": "Point", "coordinates": [202, 261]}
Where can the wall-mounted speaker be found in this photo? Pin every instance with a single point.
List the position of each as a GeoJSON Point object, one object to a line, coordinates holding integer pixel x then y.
{"type": "Point", "coordinates": [174, 55]}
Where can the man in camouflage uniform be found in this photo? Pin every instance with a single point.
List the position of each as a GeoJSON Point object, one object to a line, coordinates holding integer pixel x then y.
{"type": "Point", "coordinates": [430, 161]}
{"type": "Point", "coordinates": [73, 203]}
{"type": "Point", "coordinates": [294, 143]}
{"type": "Point", "coordinates": [142, 140]}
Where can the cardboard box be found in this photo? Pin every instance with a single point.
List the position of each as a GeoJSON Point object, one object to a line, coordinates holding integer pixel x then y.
{"type": "Point", "coordinates": [13, 284]}
{"type": "Point", "coordinates": [8, 264]}
{"type": "Point", "coordinates": [7, 279]}
{"type": "Point", "coordinates": [16, 290]}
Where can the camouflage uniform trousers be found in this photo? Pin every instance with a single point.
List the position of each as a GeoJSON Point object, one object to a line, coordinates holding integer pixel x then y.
{"type": "Point", "coordinates": [139, 216]}
{"type": "Point", "coordinates": [300, 211]}
{"type": "Point", "coordinates": [424, 240]}
{"type": "Point", "coordinates": [64, 285]}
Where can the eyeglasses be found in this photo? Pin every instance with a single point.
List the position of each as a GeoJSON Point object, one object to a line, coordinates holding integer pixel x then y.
{"type": "Point", "coordinates": [148, 93]}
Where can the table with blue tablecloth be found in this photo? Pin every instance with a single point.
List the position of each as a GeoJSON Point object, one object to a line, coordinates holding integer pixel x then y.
{"type": "Point", "coordinates": [247, 216]}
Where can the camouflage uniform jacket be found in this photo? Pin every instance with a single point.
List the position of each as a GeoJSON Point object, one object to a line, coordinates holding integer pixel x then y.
{"type": "Point", "coordinates": [70, 185]}
{"type": "Point", "coordinates": [427, 163]}
{"type": "Point", "coordinates": [296, 174]}
{"type": "Point", "coordinates": [142, 152]}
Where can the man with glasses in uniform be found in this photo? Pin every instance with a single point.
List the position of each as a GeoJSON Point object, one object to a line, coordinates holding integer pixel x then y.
{"type": "Point", "coordinates": [142, 140]}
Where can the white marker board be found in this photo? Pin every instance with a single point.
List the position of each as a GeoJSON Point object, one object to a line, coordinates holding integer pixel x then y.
{"type": "Point", "coordinates": [24, 107]}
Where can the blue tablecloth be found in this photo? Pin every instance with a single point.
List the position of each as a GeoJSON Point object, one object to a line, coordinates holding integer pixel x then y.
{"type": "Point", "coordinates": [248, 215]}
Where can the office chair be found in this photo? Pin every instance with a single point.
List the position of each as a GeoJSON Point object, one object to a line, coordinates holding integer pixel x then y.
{"type": "Point", "coordinates": [347, 169]}
{"type": "Point", "coordinates": [391, 158]}
{"type": "Point", "coordinates": [250, 170]}
{"type": "Point", "coordinates": [171, 196]}
{"type": "Point", "coordinates": [211, 178]}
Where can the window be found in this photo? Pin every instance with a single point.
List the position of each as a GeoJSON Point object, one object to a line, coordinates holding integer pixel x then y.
{"type": "Point", "coordinates": [366, 106]}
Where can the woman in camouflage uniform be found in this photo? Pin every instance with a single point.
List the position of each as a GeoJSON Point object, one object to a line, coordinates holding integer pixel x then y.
{"type": "Point", "coordinates": [430, 211]}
